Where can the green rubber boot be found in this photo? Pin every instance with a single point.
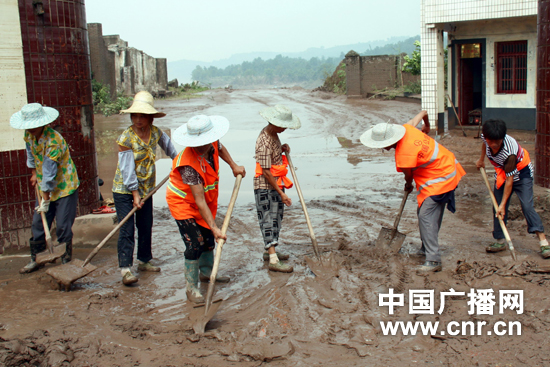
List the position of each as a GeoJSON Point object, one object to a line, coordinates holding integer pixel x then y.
{"type": "Point", "coordinates": [206, 262]}
{"type": "Point", "coordinates": [192, 278]}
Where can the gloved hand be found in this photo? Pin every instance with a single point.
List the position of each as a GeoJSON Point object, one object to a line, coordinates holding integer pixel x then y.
{"type": "Point", "coordinates": [44, 206]}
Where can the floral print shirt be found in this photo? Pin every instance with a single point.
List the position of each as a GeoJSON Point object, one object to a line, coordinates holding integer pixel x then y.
{"type": "Point", "coordinates": [52, 146]}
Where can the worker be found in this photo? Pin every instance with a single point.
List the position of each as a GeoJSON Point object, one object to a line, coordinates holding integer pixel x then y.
{"type": "Point", "coordinates": [53, 170]}
{"type": "Point", "coordinates": [270, 182]}
{"type": "Point", "coordinates": [435, 171]}
{"type": "Point", "coordinates": [514, 173]}
{"type": "Point", "coordinates": [192, 195]}
{"type": "Point", "coordinates": [135, 177]}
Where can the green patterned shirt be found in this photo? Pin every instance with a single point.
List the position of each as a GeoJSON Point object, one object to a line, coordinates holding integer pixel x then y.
{"type": "Point", "coordinates": [53, 146]}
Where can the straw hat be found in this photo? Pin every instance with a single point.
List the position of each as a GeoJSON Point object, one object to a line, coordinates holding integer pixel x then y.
{"type": "Point", "coordinates": [383, 135]}
{"type": "Point", "coordinates": [201, 130]}
{"type": "Point", "coordinates": [281, 116]}
{"type": "Point", "coordinates": [144, 103]}
{"type": "Point", "coordinates": [33, 115]}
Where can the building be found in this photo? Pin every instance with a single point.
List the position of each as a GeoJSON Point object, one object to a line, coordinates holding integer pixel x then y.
{"type": "Point", "coordinates": [126, 70]}
{"type": "Point", "coordinates": [43, 58]}
{"type": "Point", "coordinates": [492, 61]}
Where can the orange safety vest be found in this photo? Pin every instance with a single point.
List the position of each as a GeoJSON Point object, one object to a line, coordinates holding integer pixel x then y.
{"type": "Point", "coordinates": [178, 194]}
{"type": "Point", "coordinates": [435, 169]}
{"type": "Point", "coordinates": [279, 171]}
{"type": "Point", "coordinates": [523, 162]}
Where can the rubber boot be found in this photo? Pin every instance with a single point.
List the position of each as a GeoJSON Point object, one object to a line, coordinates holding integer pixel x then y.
{"type": "Point", "coordinates": [36, 247]}
{"type": "Point", "coordinates": [206, 262]}
{"type": "Point", "coordinates": [68, 255]}
{"type": "Point", "coordinates": [192, 278]}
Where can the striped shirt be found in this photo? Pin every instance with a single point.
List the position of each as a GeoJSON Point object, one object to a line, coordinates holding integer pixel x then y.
{"type": "Point", "coordinates": [509, 147]}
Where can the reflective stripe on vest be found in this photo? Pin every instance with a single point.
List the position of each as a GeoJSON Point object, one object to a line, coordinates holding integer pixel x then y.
{"type": "Point", "coordinates": [439, 179]}
{"type": "Point", "coordinates": [175, 190]}
{"type": "Point", "coordinates": [211, 187]}
{"type": "Point", "coordinates": [432, 159]}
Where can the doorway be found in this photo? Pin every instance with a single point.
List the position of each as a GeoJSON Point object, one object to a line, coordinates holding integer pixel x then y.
{"type": "Point", "coordinates": [470, 81]}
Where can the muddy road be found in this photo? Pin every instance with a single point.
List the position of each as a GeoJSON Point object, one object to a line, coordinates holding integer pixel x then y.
{"type": "Point", "coordinates": [291, 319]}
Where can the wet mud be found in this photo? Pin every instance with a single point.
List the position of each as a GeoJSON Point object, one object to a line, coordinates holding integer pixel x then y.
{"type": "Point", "coordinates": [325, 313]}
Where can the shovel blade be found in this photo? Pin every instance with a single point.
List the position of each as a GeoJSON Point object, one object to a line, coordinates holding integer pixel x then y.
{"type": "Point", "coordinates": [326, 268]}
{"type": "Point", "coordinates": [67, 273]}
{"type": "Point", "coordinates": [385, 239]}
{"type": "Point", "coordinates": [200, 319]}
{"type": "Point", "coordinates": [46, 256]}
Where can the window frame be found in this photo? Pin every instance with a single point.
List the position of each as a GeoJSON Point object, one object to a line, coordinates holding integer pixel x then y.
{"type": "Point", "coordinates": [512, 56]}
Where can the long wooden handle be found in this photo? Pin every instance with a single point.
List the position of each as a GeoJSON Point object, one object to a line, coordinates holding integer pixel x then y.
{"type": "Point", "coordinates": [500, 220]}
{"type": "Point", "coordinates": [49, 244]}
{"type": "Point", "coordinates": [396, 223]}
{"type": "Point", "coordinates": [302, 201]}
{"type": "Point", "coordinates": [98, 247]}
{"type": "Point", "coordinates": [457, 117]}
{"type": "Point", "coordinates": [221, 242]}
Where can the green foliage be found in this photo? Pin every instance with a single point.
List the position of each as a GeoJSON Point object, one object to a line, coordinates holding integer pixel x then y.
{"type": "Point", "coordinates": [336, 82]}
{"type": "Point", "coordinates": [279, 70]}
{"type": "Point", "coordinates": [412, 64]}
{"type": "Point", "coordinates": [101, 96]}
{"type": "Point", "coordinates": [413, 88]}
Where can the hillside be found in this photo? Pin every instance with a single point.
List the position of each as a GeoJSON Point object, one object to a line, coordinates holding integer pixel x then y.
{"type": "Point", "coordinates": [182, 69]}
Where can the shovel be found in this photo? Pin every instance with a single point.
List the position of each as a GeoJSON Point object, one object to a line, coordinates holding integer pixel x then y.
{"type": "Point", "coordinates": [500, 220]}
{"type": "Point", "coordinates": [329, 268]}
{"type": "Point", "coordinates": [210, 308]}
{"type": "Point", "coordinates": [390, 237]}
{"type": "Point", "coordinates": [52, 252]}
{"type": "Point", "coordinates": [67, 273]}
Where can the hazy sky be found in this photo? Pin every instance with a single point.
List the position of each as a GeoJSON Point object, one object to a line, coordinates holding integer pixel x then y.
{"type": "Point", "coordinates": [208, 30]}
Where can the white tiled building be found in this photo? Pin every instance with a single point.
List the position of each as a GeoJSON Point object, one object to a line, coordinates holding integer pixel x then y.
{"type": "Point", "coordinates": [491, 60]}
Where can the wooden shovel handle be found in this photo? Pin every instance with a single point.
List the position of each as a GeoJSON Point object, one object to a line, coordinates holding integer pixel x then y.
{"type": "Point", "coordinates": [457, 117]}
{"type": "Point", "coordinates": [49, 244]}
{"type": "Point", "coordinates": [98, 247]}
{"type": "Point", "coordinates": [221, 242]}
{"type": "Point", "coordinates": [500, 220]}
{"type": "Point", "coordinates": [302, 201]}
{"type": "Point", "coordinates": [396, 223]}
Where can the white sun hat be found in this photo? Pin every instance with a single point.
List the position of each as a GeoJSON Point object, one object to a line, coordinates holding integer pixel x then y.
{"type": "Point", "coordinates": [144, 103]}
{"type": "Point", "coordinates": [383, 135]}
{"type": "Point", "coordinates": [201, 130]}
{"type": "Point", "coordinates": [281, 116]}
{"type": "Point", "coordinates": [33, 115]}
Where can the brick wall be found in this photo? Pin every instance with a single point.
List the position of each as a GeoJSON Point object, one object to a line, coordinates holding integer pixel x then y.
{"type": "Point", "coordinates": [368, 74]}
{"type": "Point", "coordinates": [57, 74]}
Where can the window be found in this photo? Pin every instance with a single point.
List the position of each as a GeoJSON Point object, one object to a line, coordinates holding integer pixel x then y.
{"type": "Point", "coordinates": [512, 67]}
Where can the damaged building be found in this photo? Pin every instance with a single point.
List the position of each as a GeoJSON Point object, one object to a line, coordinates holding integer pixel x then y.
{"type": "Point", "coordinates": [124, 69]}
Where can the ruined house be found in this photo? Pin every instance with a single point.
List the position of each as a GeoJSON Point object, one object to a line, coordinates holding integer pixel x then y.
{"type": "Point", "coordinates": [125, 69]}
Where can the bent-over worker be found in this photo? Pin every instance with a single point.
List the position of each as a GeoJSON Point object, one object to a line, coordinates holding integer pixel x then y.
{"type": "Point", "coordinates": [192, 195]}
{"type": "Point", "coordinates": [435, 171]}
{"type": "Point", "coordinates": [514, 173]}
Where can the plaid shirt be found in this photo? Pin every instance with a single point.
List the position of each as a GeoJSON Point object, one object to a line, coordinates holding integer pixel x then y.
{"type": "Point", "coordinates": [268, 152]}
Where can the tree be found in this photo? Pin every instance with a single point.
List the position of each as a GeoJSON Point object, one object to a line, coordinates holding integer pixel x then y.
{"type": "Point", "coordinates": [412, 64]}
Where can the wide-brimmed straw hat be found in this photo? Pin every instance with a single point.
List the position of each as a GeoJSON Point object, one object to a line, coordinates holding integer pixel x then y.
{"type": "Point", "coordinates": [144, 103]}
{"type": "Point", "coordinates": [33, 115]}
{"type": "Point", "coordinates": [201, 130]}
{"type": "Point", "coordinates": [383, 135]}
{"type": "Point", "coordinates": [281, 116]}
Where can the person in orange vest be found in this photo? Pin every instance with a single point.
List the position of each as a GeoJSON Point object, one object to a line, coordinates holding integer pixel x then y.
{"type": "Point", "coordinates": [270, 181]}
{"type": "Point", "coordinates": [192, 195]}
{"type": "Point", "coordinates": [435, 171]}
{"type": "Point", "coordinates": [514, 173]}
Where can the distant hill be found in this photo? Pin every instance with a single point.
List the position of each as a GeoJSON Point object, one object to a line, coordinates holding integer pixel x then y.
{"type": "Point", "coordinates": [182, 69]}
{"type": "Point", "coordinates": [399, 47]}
